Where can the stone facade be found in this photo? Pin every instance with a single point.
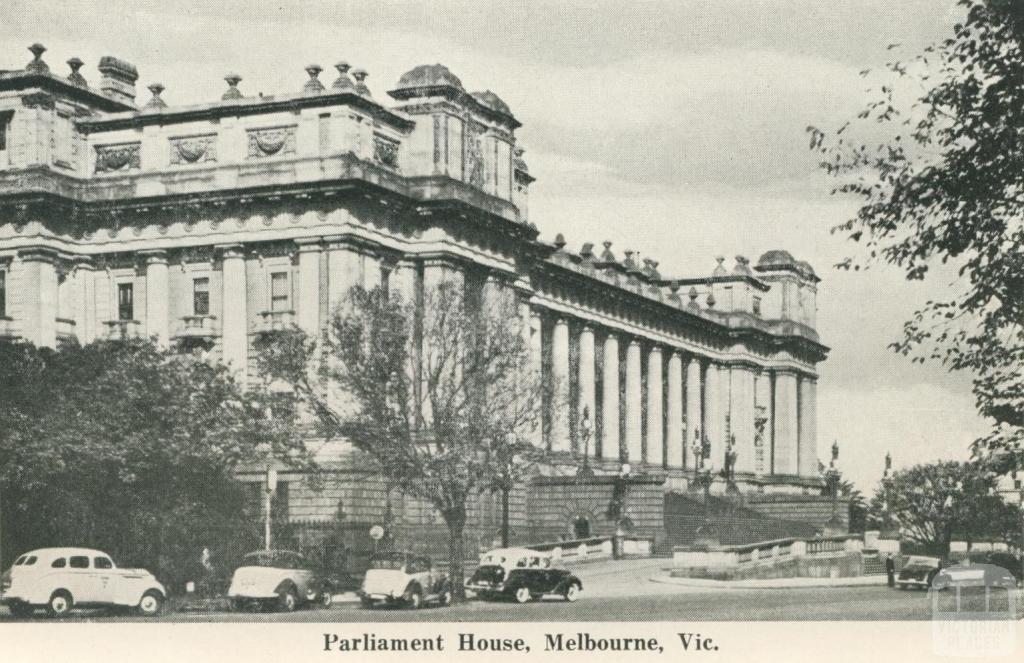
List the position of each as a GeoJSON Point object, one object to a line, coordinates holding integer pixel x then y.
{"type": "Point", "coordinates": [204, 225]}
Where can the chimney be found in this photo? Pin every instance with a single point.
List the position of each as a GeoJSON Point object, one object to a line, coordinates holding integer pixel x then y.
{"type": "Point", "coordinates": [118, 79]}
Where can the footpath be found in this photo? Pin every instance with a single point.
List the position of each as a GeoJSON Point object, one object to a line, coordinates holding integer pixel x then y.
{"type": "Point", "coordinates": [772, 583]}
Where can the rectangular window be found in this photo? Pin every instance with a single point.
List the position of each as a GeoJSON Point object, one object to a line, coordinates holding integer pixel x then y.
{"type": "Point", "coordinates": [279, 291]}
{"type": "Point", "coordinates": [79, 562]}
{"type": "Point", "coordinates": [125, 301]}
{"type": "Point", "coordinates": [757, 305]}
{"type": "Point", "coordinates": [3, 293]}
{"type": "Point", "coordinates": [63, 141]}
{"type": "Point", "coordinates": [102, 563]}
{"type": "Point", "coordinates": [201, 296]}
{"type": "Point", "coordinates": [5, 123]}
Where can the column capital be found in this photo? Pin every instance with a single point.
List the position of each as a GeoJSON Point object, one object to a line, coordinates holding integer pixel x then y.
{"type": "Point", "coordinates": [154, 256]}
{"type": "Point", "coordinates": [561, 321]}
{"type": "Point", "coordinates": [633, 342]}
{"type": "Point", "coordinates": [741, 364]}
{"type": "Point", "coordinates": [83, 262]}
{"type": "Point", "coordinates": [655, 348]}
{"type": "Point", "coordinates": [586, 329]}
{"type": "Point", "coordinates": [309, 244]}
{"type": "Point", "coordinates": [227, 251]}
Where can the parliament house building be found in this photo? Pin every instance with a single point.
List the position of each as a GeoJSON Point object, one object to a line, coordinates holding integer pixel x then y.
{"type": "Point", "coordinates": [203, 226]}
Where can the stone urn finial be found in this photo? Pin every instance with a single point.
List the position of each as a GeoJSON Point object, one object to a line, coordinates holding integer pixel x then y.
{"type": "Point", "coordinates": [560, 241]}
{"type": "Point", "coordinates": [343, 82]}
{"type": "Point", "coordinates": [313, 85]}
{"type": "Point", "coordinates": [37, 66]}
{"type": "Point", "coordinates": [76, 78]}
{"type": "Point", "coordinates": [156, 102]}
{"type": "Point", "coordinates": [361, 87]}
{"type": "Point", "coordinates": [232, 92]}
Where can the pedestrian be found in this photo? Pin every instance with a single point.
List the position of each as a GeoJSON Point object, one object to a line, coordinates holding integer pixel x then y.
{"type": "Point", "coordinates": [890, 569]}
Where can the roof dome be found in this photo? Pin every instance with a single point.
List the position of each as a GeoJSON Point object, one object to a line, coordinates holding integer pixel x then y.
{"type": "Point", "coordinates": [429, 75]}
{"type": "Point", "coordinates": [776, 259]}
{"type": "Point", "coordinates": [806, 268]}
{"type": "Point", "coordinates": [492, 101]}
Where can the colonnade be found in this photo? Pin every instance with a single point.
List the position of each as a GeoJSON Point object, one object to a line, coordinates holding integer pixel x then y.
{"type": "Point", "coordinates": [649, 403]}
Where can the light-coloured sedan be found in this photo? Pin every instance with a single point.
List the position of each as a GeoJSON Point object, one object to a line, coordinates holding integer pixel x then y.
{"type": "Point", "coordinates": [62, 579]}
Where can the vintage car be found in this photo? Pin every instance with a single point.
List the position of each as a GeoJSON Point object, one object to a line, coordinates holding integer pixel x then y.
{"type": "Point", "coordinates": [970, 575]}
{"type": "Point", "coordinates": [918, 572]}
{"type": "Point", "coordinates": [63, 579]}
{"type": "Point", "coordinates": [401, 578]}
{"type": "Point", "coordinates": [522, 574]}
{"type": "Point", "coordinates": [279, 579]}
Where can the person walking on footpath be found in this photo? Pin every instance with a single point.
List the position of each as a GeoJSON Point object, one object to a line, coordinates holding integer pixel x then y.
{"type": "Point", "coordinates": [890, 569]}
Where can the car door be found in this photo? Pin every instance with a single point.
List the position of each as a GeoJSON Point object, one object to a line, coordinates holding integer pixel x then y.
{"type": "Point", "coordinates": [81, 580]}
{"type": "Point", "coordinates": [303, 576]}
{"type": "Point", "coordinates": [107, 582]}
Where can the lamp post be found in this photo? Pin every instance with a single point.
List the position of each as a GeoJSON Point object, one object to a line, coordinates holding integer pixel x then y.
{"type": "Point", "coordinates": [269, 486]}
{"type": "Point", "coordinates": [831, 476]}
{"type": "Point", "coordinates": [586, 431]}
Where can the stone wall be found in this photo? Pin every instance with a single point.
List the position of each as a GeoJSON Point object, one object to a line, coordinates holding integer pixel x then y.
{"type": "Point", "coordinates": [555, 504]}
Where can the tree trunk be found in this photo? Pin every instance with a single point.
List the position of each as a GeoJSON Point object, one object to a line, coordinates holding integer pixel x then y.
{"type": "Point", "coordinates": [504, 517]}
{"type": "Point", "coordinates": [457, 553]}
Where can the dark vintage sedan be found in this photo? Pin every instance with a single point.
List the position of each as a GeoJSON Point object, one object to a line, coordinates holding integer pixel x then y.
{"type": "Point", "coordinates": [523, 575]}
{"type": "Point", "coordinates": [918, 572]}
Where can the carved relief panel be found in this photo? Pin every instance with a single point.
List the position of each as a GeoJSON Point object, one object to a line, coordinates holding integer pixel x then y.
{"type": "Point", "coordinates": [118, 157]}
{"type": "Point", "coordinates": [193, 149]}
{"type": "Point", "coordinates": [271, 141]}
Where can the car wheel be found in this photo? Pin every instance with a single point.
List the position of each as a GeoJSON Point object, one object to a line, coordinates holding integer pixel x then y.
{"type": "Point", "coordinates": [326, 597]}
{"type": "Point", "coordinates": [572, 592]}
{"type": "Point", "coordinates": [445, 598]}
{"type": "Point", "coordinates": [288, 600]}
{"type": "Point", "coordinates": [414, 599]}
{"type": "Point", "coordinates": [22, 610]}
{"type": "Point", "coordinates": [523, 594]}
{"type": "Point", "coordinates": [61, 603]}
{"type": "Point", "coordinates": [151, 604]}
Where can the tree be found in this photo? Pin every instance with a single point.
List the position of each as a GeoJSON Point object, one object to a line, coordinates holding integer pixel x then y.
{"type": "Point", "coordinates": [946, 185]}
{"type": "Point", "coordinates": [934, 503]}
{"type": "Point", "coordinates": [436, 395]}
{"type": "Point", "coordinates": [127, 447]}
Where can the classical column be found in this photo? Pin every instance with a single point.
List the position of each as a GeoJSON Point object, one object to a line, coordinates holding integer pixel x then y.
{"type": "Point", "coordinates": [157, 297]}
{"type": "Point", "coordinates": [344, 270]}
{"type": "Point", "coordinates": [785, 451]}
{"type": "Point", "coordinates": [536, 368]}
{"type": "Point", "coordinates": [403, 280]}
{"type": "Point", "coordinates": [85, 317]}
{"type": "Point", "coordinates": [39, 324]}
{"type": "Point", "coordinates": [443, 286]}
{"type": "Point", "coordinates": [655, 421]}
{"type": "Point", "coordinates": [741, 415]}
{"type": "Point", "coordinates": [588, 388]}
{"type": "Point", "coordinates": [234, 316]}
{"type": "Point", "coordinates": [308, 290]}
{"type": "Point", "coordinates": [763, 413]}
{"type": "Point", "coordinates": [610, 399]}
{"type": "Point", "coordinates": [560, 440]}
{"type": "Point", "coordinates": [694, 412]}
{"type": "Point", "coordinates": [808, 427]}
{"type": "Point", "coordinates": [634, 404]}
{"type": "Point", "coordinates": [714, 414]}
{"type": "Point", "coordinates": [675, 435]}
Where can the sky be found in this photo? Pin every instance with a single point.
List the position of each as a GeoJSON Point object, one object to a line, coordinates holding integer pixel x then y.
{"type": "Point", "coordinates": [676, 129]}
